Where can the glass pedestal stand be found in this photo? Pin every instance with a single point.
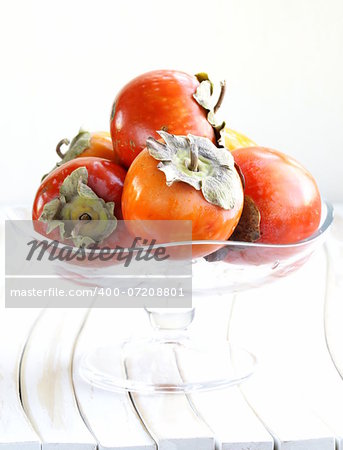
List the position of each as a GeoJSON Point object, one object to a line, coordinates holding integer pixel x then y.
{"type": "Point", "coordinates": [170, 359]}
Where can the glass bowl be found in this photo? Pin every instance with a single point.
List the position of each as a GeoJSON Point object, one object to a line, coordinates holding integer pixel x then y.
{"type": "Point", "coordinates": [169, 360]}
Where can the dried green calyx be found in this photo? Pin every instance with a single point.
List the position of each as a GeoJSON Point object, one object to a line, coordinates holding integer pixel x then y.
{"type": "Point", "coordinates": [248, 228]}
{"type": "Point", "coordinates": [210, 100]}
{"type": "Point", "coordinates": [76, 147]}
{"type": "Point", "coordinates": [78, 212]}
{"type": "Point", "coordinates": [198, 162]}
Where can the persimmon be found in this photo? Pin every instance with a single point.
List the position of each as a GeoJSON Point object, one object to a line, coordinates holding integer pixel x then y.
{"type": "Point", "coordinates": [185, 178]}
{"type": "Point", "coordinates": [282, 206]}
{"type": "Point", "coordinates": [96, 144]}
{"type": "Point", "coordinates": [232, 140]}
{"type": "Point", "coordinates": [83, 189]}
{"type": "Point", "coordinates": [167, 100]}
{"type": "Point", "coordinates": [283, 203]}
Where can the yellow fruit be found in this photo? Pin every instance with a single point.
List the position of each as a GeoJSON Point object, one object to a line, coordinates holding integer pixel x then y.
{"type": "Point", "coordinates": [232, 140]}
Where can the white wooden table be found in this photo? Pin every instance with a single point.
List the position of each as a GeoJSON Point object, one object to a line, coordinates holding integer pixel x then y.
{"type": "Point", "coordinates": [293, 402]}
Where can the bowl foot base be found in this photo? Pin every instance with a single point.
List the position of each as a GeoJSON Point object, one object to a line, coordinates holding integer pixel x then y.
{"type": "Point", "coordinates": [167, 365]}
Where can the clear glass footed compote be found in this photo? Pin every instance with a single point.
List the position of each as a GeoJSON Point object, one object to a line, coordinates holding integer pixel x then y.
{"type": "Point", "coordinates": [170, 360]}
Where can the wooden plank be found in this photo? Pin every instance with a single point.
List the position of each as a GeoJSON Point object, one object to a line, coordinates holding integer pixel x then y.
{"type": "Point", "coordinates": [169, 419]}
{"type": "Point", "coordinates": [110, 415]}
{"type": "Point", "coordinates": [232, 421]}
{"type": "Point", "coordinates": [321, 386]}
{"type": "Point", "coordinates": [283, 324]}
{"type": "Point", "coordinates": [16, 432]}
{"type": "Point", "coordinates": [46, 382]}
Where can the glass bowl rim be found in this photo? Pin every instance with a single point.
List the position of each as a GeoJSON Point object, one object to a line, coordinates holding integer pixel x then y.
{"type": "Point", "coordinates": [325, 225]}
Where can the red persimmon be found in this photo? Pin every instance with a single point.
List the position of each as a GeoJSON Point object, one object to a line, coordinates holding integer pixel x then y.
{"type": "Point", "coordinates": [86, 192]}
{"type": "Point", "coordinates": [157, 100]}
{"type": "Point", "coordinates": [281, 192]}
{"type": "Point", "coordinates": [105, 178]}
{"type": "Point", "coordinates": [282, 205]}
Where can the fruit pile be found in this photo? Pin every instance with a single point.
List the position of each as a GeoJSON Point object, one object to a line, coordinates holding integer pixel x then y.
{"type": "Point", "coordinates": [168, 157]}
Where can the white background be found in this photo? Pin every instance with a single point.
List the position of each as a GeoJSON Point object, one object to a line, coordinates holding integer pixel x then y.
{"type": "Point", "coordinates": [62, 63]}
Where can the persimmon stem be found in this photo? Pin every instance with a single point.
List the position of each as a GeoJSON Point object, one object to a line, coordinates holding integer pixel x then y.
{"type": "Point", "coordinates": [59, 145]}
{"type": "Point", "coordinates": [193, 165]}
{"type": "Point", "coordinates": [85, 216]}
{"type": "Point", "coordinates": [221, 96]}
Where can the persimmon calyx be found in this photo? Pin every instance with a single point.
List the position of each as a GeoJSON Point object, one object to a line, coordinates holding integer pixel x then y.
{"type": "Point", "coordinates": [248, 228]}
{"type": "Point", "coordinates": [76, 147]}
{"type": "Point", "coordinates": [78, 212]}
{"type": "Point", "coordinates": [198, 162]}
{"type": "Point", "coordinates": [205, 97]}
